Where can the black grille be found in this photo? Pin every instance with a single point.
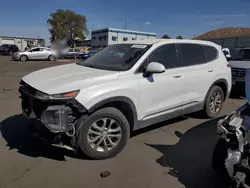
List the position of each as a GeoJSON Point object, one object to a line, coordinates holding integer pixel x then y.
{"type": "Point", "coordinates": [32, 106]}
{"type": "Point", "coordinates": [238, 73]}
{"type": "Point", "coordinates": [27, 88]}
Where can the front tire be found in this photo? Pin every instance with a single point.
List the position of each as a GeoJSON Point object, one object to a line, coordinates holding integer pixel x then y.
{"type": "Point", "coordinates": [214, 102]}
{"type": "Point", "coordinates": [24, 58]}
{"type": "Point", "coordinates": [103, 134]}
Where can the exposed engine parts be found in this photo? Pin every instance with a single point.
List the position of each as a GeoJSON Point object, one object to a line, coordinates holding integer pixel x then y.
{"type": "Point", "coordinates": [232, 153]}
{"type": "Point", "coordinates": [52, 121]}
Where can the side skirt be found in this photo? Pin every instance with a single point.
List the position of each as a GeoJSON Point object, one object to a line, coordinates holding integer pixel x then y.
{"type": "Point", "coordinates": [189, 108]}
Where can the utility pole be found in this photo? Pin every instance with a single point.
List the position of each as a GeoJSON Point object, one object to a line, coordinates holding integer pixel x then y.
{"type": "Point", "coordinates": [125, 20]}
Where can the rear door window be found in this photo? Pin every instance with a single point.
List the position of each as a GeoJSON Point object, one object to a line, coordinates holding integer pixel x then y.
{"type": "Point", "coordinates": [36, 50]}
{"type": "Point", "coordinates": [191, 54]}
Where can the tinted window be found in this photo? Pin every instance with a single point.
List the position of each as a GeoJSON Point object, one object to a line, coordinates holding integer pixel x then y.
{"type": "Point", "coordinates": [192, 54]}
{"type": "Point", "coordinates": [243, 55]}
{"type": "Point", "coordinates": [165, 55]}
{"type": "Point", "coordinates": [211, 53]}
{"type": "Point", "coordinates": [6, 45]}
{"type": "Point", "coordinates": [36, 50]}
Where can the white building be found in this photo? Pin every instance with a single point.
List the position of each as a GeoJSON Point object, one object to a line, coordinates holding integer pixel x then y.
{"type": "Point", "coordinates": [21, 42]}
{"type": "Point", "coordinates": [104, 37]}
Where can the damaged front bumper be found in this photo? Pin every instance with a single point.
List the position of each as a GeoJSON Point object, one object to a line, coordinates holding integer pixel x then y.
{"type": "Point", "coordinates": [52, 121]}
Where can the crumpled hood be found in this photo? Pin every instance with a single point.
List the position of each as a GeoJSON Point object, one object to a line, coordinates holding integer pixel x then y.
{"type": "Point", "coordinates": [64, 78]}
{"type": "Point", "coordinates": [240, 64]}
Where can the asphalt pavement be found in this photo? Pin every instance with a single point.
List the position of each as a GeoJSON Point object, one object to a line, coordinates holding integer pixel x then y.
{"type": "Point", "coordinates": [175, 153]}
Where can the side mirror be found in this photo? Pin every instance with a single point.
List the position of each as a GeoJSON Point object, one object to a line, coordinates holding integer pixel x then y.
{"type": "Point", "coordinates": [154, 68]}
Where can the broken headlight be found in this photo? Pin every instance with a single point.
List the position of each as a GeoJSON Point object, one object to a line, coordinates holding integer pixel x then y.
{"type": "Point", "coordinates": [67, 95]}
{"type": "Point", "coordinates": [57, 118]}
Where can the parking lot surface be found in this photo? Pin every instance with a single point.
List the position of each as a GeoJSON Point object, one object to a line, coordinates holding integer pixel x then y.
{"type": "Point", "coordinates": [174, 153]}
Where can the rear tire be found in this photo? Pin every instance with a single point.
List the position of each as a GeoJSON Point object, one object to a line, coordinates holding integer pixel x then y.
{"type": "Point", "coordinates": [115, 146]}
{"type": "Point", "coordinates": [24, 58]}
{"type": "Point", "coordinates": [214, 102]}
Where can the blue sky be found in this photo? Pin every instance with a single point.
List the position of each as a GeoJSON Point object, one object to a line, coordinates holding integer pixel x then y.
{"type": "Point", "coordinates": [27, 18]}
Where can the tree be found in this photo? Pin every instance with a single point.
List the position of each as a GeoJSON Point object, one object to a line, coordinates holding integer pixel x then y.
{"type": "Point", "coordinates": [166, 36]}
{"type": "Point", "coordinates": [179, 37]}
{"type": "Point", "coordinates": [66, 24]}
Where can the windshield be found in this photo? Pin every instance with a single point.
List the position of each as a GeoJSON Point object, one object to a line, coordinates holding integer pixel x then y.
{"type": "Point", "coordinates": [243, 55]}
{"type": "Point", "coordinates": [119, 57]}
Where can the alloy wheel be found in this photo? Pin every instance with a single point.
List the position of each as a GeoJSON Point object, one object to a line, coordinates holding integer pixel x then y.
{"type": "Point", "coordinates": [23, 58]}
{"type": "Point", "coordinates": [104, 134]}
{"type": "Point", "coordinates": [215, 102]}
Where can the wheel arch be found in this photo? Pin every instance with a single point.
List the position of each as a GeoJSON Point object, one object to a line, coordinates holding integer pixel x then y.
{"type": "Point", "coordinates": [221, 83]}
{"type": "Point", "coordinates": [122, 103]}
{"type": "Point", "coordinates": [224, 86]}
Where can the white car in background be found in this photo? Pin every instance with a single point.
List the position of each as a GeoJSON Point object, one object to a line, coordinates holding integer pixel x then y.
{"type": "Point", "coordinates": [37, 53]}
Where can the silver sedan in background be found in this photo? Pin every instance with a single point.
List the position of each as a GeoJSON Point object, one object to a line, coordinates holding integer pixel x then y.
{"type": "Point", "coordinates": [36, 53]}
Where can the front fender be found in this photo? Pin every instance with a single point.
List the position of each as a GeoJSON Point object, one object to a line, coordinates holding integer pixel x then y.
{"type": "Point", "coordinates": [89, 100]}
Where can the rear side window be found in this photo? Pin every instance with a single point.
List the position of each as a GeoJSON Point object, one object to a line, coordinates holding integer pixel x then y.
{"type": "Point", "coordinates": [211, 53]}
{"type": "Point", "coordinates": [36, 50]}
{"type": "Point", "coordinates": [191, 54]}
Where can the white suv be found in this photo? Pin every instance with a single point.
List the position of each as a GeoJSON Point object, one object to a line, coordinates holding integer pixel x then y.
{"type": "Point", "coordinates": [94, 105]}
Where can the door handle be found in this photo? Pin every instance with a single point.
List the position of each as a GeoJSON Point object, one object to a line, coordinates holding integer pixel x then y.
{"type": "Point", "coordinates": [210, 70]}
{"type": "Point", "coordinates": [177, 76]}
